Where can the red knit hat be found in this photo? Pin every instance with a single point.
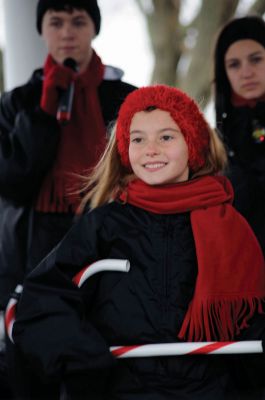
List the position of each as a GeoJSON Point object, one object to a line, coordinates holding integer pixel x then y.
{"type": "Point", "coordinates": [182, 109]}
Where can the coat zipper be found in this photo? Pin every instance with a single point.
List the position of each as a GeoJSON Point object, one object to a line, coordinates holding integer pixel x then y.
{"type": "Point", "coordinates": [166, 266]}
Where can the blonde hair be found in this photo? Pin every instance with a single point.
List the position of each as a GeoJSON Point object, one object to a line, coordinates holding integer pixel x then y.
{"type": "Point", "coordinates": [110, 177]}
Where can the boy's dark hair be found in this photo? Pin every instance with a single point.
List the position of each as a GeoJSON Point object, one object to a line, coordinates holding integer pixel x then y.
{"type": "Point", "coordinates": [90, 6]}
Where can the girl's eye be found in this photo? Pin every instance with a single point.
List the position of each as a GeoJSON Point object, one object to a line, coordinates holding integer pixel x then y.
{"type": "Point", "coordinates": [136, 140]}
{"type": "Point", "coordinates": [166, 138]}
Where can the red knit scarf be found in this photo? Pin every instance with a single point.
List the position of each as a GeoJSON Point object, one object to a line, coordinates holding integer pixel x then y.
{"type": "Point", "coordinates": [230, 285]}
{"type": "Point", "coordinates": [239, 101]}
{"type": "Point", "coordinates": [82, 141]}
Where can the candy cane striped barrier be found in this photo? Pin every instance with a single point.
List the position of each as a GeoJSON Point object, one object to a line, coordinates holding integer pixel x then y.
{"type": "Point", "coordinates": [10, 314]}
{"type": "Point", "coordinates": [187, 348]}
{"type": "Point", "coordinates": [99, 266]}
{"type": "Point", "coordinates": [108, 264]}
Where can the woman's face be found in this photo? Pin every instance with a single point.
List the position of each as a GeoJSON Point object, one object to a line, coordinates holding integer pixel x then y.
{"type": "Point", "coordinates": [245, 68]}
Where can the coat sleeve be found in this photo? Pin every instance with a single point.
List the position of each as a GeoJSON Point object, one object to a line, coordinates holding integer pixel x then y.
{"type": "Point", "coordinates": [52, 329]}
{"type": "Point", "coordinates": [28, 143]}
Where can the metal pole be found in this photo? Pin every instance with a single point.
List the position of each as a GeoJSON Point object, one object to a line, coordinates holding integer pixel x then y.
{"type": "Point", "coordinates": [24, 50]}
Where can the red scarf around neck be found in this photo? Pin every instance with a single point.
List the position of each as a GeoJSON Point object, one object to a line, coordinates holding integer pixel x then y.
{"type": "Point", "coordinates": [239, 101]}
{"type": "Point", "coordinates": [230, 285]}
{"type": "Point", "coordinates": [82, 142]}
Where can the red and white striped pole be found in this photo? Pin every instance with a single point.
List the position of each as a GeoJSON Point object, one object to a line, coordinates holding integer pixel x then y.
{"type": "Point", "coordinates": [148, 350]}
{"type": "Point", "coordinates": [187, 348]}
{"type": "Point", "coordinates": [10, 314]}
{"type": "Point", "coordinates": [108, 264]}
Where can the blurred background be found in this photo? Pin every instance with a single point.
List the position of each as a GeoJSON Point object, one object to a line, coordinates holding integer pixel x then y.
{"type": "Point", "coordinates": [153, 41]}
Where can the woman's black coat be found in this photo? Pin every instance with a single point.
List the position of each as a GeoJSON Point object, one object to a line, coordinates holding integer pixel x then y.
{"type": "Point", "coordinates": [65, 332]}
{"type": "Point", "coordinates": [247, 163]}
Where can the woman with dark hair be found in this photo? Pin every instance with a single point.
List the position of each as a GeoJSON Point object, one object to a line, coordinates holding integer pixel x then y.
{"type": "Point", "coordinates": [239, 76]}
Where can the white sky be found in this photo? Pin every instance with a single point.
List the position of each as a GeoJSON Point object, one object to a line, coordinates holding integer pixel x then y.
{"type": "Point", "coordinates": [1, 23]}
{"type": "Point", "coordinates": [123, 40]}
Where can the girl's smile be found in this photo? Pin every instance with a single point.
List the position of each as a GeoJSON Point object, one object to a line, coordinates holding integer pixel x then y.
{"type": "Point", "coordinates": [154, 166]}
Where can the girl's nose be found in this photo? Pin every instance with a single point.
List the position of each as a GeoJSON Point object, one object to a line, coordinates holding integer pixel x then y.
{"type": "Point", "coordinates": [152, 149]}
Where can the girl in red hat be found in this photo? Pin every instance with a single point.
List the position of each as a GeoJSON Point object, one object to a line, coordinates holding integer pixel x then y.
{"type": "Point", "coordinates": [196, 269]}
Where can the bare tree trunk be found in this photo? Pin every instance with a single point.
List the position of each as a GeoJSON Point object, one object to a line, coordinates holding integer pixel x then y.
{"type": "Point", "coordinates": [166, 39]}
{"type": "Point", "coordinates": [198, 77]}
{"type": "Point", "coordinates": [258, 7]}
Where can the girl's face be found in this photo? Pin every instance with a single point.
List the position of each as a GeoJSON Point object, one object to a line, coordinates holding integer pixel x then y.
{"type": "Point", "coordinates": [69, 35]}
{"type": "Point", "coordinates": [158, 152]}
{"type": "Point", "coordinates": [245, 68]}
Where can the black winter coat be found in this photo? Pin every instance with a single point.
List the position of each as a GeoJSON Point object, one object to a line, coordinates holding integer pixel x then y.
{"type": "Point", "coordinates": [29, 140]}
{"type": "Point", "coordinates": [247, 164]}
{"type": "Point", "coordinates": [65, 332]}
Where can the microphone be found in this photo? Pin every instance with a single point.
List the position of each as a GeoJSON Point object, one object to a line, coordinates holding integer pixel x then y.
{"type": "Point", "coordinates": [66, 99]}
